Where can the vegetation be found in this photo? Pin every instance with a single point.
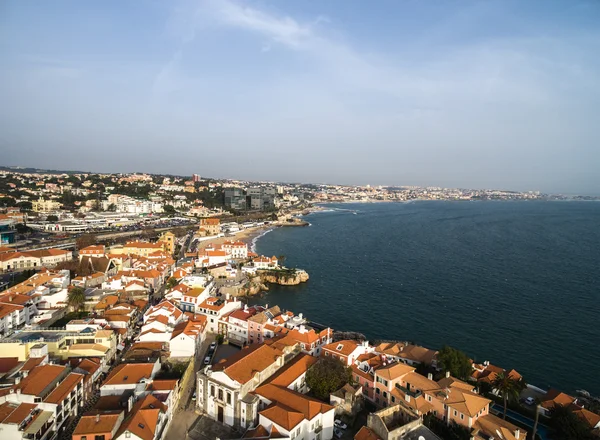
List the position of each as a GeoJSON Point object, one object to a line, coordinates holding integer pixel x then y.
{"type": "Point", "coordinates": [456, 362]}
{"type": "Point", "coordinates": [69, 317]}
{"type": "Point", "coordinates": [327, 376]}
{"type": "Point", "coordinates": [76, 298]}
{"type": "Point", "coordinates": [447, 432]}
{"type": "Point", "coordinates": [20, 277]}
{"type": "Point", "coordinates": [508, 388]}
{"type": "Point", "coordinates": [567, 426]}
{"type": "Point", "coordinates": [85, 240]}
{"type": "Point", "coordinates": [52, 218]}
{"type": "Point", "coordinates": [171, 282]}
{"type": "Point", "coordinates": [172, 370]}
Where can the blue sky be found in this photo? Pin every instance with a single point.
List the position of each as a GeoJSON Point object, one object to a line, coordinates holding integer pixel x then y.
{"type": "Point", "coordinates": [498, 94]}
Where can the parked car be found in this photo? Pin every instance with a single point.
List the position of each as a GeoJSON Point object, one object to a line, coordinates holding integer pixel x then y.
{"type": "Point", "coordinates": [213, 345]}
{"type": "Point", "coordinates": [337, 432]}
{"type": "Point", "coordinates": [194, 396]}
{"type": "Point", "coordinates": [530, 401]}
{"type": "Point", "coordinates": [339, 424]}
{"type": "Point", "coordinates": [207, 360]}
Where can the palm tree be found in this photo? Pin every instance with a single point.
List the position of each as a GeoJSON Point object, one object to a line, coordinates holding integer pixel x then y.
{"type": "Point", "coordinates": [537, 416]}
{"type": "Point", "coordinates": [508, 388]}
{"type": "Point", "coordinates": [76, 298]}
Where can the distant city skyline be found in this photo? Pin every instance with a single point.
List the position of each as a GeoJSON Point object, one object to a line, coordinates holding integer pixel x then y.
{"type": "Point", "coordinates": [468, 94]}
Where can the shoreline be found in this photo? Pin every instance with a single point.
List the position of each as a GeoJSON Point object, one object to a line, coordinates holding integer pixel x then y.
{"type": "Point", "coordinates": [322, 207]}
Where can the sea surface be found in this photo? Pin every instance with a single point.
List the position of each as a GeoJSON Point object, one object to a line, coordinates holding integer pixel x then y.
{"type": "Point", "coordinates": [515, 283]}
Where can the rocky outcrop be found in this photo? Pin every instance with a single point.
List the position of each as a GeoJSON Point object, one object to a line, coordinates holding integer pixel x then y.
{"type": "Point", "coordinates": [283, 277]}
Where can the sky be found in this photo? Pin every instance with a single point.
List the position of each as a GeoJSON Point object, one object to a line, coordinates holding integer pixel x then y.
{"type": "Point", "coordinates": [472, 94]}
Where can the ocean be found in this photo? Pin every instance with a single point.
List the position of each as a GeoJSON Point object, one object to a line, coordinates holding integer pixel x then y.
{"type": "Point", "coordinates": [515, 283]}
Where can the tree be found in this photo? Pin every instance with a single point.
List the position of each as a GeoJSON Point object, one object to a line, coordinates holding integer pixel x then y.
{"type": "Point", "coordinates": [171, 282]}
{"type": "Point", "coordinates": [169, 210]}
{"type": "Point", "coordinates": [85, 240]}
{"type": "Point", "coordinates": [76, 298]}
{"type": "Point", "coordinates": [455, 361]}
{"type": "Point", "coordinates": [326, 376]}
{"type": "Point", "coordinates": [508, 388]}
{"type": "Point", "coordinates": [567, 425]}
{"type": "Point", "coordinates": [112, 207]}
{"type": "Point", "coordinates": [535, 423]}
{"type": "Point", "coordinates": [52, 218]}
{"type": "Point", "coordinates": [280, 260]}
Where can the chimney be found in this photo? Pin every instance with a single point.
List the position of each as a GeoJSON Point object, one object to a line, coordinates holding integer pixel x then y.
{"type": "Point", "coordinates": [447, 374]}
{"type": "Point", "coordinates": [97, 418]}
{"type": "Point", "coordinates": [429, 376]}
{"type": "Point", "coordinates": [300, 315]}
{"type": "Point", "coordinates": [517, 433]}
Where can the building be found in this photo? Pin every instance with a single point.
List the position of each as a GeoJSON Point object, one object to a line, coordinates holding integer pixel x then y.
{"type": "Point", "coordinates": [346, 351]}
{"type": "Point", "coordinates": [209, 226]}
{"type": "Point", "coordinates": [261, 198]}
{"type": "Point", "coordinates": [224, 389]}
{"type": "Point", "coordinates": [215, 308]}
{"type": "Point", "coordinates": [43, 205]}
{"type": "Point", "coordinates": [98, 425]}
{"type": "Point", "coordinates": [168, 241]}
{"type": "Point", "coordinates": [235, 199]}
{"type": "Point", "coordinates": [196, 178]}
{"type": "Point", "coordinates": [7, 230]}
{"type": "Point", "coordinates": [395, 422]}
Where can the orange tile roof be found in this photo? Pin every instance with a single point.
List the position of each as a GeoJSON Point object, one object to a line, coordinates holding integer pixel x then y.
{"type": "Point", "coordinates": [394, 370]}
{"type": "Point", "coordinates": [243, 365]}
{"type": "Point", "coordinates": [366, 433]}
{"type": "Point", "coordinates": [129, 374]}
{"type": "Point", "coordinates": [14, 413]}
{"type": "Point", "coordinates": [496, 427]}
{"type": "Point", "coordinates": [554, 397]}
{"type": "Point", "coordinates": [66, 386]}
{"type": "Point", "coordinates": [39, 378]}
{"type": "Point", "coordinates": [344, 348]}
{"type": "Point", "coordinates": [143, 418]}
{"type": "Point", "coordinates": [293, 370]}
{"type": "Point", "coordinates": [101, 423]}
{"type": "Point", "coordinates": [290, 407]}
{"type": "Point", "coordinates": [589, 418]}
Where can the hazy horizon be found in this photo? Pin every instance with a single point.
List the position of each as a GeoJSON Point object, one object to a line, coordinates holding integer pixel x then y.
{"type": "Point", "coordinates": [473, 94]}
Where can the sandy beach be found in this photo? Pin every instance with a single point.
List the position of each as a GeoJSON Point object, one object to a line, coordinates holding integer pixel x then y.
{"type": "Point", "coordinates": [246, 236]}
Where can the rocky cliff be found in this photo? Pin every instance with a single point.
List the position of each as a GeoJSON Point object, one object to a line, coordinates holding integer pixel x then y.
{"type": "Point", "coordinates": [283, 277]}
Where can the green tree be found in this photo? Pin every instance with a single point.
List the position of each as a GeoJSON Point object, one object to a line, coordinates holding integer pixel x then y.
{"type": "Point", "coordinates": [169, 210]}
{"type": "Point", "coordinates": [112, 207]}
{"type": "Point", "coordinates": [76, 298]}
{"type": "Point", "coordinates": [455, 361]}
{"type": "Point", "coordinates": [567, 426]}
{"type": "Point", "coordinates": [326, 376]}
{"type": "Point", "coordinates": [52, 218]}
{"type": "Point", "coordinates": [508, 388]}
{"type": "Point", "coordinates": [171, 282]}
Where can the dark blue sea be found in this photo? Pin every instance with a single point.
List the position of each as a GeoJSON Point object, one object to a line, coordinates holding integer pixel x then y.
{"type": "Point", "coordinates": [515, 283]}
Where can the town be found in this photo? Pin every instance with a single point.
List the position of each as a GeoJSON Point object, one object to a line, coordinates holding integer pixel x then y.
{"type": "Point", "coordinates": [126, 312]}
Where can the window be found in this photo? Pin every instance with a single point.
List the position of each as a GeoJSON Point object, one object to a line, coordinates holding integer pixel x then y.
{"type": "Point", "coordinates": [384, 395]}
{"type": "Point", "coordinates": [393, 399]}
{"type": "Point", "coordinates": [83, 437]}
{"type": "Point", "coordinates": [326, 353]}
{"type": "Point", "coordinates": [429, 398]}
{"type": "Point", "coordinates": [462, 416]}
{"type": "Point", "coordinates": [212, 391]}
{"type": "Point", "coordinates": [455, 413]}
{"type": "Point", "coordinates": [221, 396]}
{"type": "Point", "coordinates": [377, 391]}
{"type": "Point", "coordinates": [228, 398]}
{"type": "Point", "coordinates": [99, 437]}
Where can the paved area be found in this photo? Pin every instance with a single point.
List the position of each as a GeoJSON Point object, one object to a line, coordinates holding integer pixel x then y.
{"type": "Point", "coordinates": [224, 351]}
{"type": "Point", "coordinates": [180, 424]}
{"type": "Point", "coordinates": [208, 429]}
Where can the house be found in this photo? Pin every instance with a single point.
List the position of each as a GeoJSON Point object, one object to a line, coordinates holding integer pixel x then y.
{"type": "Point", "coordinates": [147, 420]}
{"type": "Point", "coordinates": [187, 337]}
{"type": "Point", "coordinates": [96, 425]}
{"type": "Point", "coordinates": [408, 353]}
{"type": "Point", "coordinates": [237, 324]}
{"type": "Point", "coordinates": [192, 298]}
{"type": "Point", "coordinates": [209, 226]}
{"type": "Point", "coordinates": [346, 351]}
{"type": "Point", "coordinates": [263, 262]}
{"type": "Point", "coordinates": [310, 339]}
{"type": "Point", "coordinates": [235, 249]}
{"type": "Point", "coordinates": [395, 422]}
{"type": "Point", "coordinates": [293, 374]}
{"type": "Point", "coordinates": [487, 373]}
{"type": "Point", "coordinates": [224, 389]}
{"type": "Point", "coordinates": [215, 308]}
{"type": "Point", "coordinates": [554, 397]}
{"type": "Point", "coordinates": [92, 251]}
{"type": "Point", "coordinates": [293, 414]}
{"type": "Point", "coordinates": [129, 377]}
{"type": "Point", "coordinates": [141, 248]}
{"type": "Point", "coordinates": [168, 240]}
{"type": "Point", "coordinates": [24, 421]}
{"type": "Point", "coordinates": [490, 426]}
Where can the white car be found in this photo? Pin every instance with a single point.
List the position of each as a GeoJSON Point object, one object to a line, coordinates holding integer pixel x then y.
{"type": "Point", "coordinates": [207, 360]}
{"type": "Point", "coordinates": [213, 345]}
{"type": "Point", "coordinates": [530, 401]}
{"type": "Point", "coordinates": [338, 433]}
{"type": "Point", "coordinates": [339, 424]}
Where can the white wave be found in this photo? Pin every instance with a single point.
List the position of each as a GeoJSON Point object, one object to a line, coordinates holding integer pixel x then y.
{"type": "Point", "coordinates": [255, 239]}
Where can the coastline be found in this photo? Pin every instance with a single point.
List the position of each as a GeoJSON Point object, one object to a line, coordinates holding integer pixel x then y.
{"type": "Point", "coordinates": [551, 381]}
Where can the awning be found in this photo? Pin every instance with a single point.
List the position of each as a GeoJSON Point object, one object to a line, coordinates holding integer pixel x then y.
{"type": "Point", "coordinates": [39, 421]}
